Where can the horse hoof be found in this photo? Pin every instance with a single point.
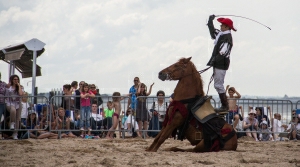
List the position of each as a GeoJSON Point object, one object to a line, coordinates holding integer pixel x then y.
{"type": "Point", "coordinates": [175, 149]}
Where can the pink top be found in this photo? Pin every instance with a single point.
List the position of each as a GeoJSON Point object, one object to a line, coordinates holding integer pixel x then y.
{"type": "Point", "coordinates": [84, 102]}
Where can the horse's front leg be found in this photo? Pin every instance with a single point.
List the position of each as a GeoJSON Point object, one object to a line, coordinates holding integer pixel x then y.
{"type": "Point", "coordinates": [155, 140]}
{"type": "Point", "coordinates": [175, 123]}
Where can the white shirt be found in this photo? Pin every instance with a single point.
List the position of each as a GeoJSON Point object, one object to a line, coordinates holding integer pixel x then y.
{"type": "Point", "coordinates": [277, 126]}
{"type": "Point", "coordinates": [161, 109]}
{"type": "Point", "coordinates": [97, 117]}
{"type": "Point", "coordinates": [24, 112]}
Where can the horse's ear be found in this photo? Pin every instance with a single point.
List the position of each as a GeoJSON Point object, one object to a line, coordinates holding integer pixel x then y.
{"type": "Point", "coordinates": [187, 60]}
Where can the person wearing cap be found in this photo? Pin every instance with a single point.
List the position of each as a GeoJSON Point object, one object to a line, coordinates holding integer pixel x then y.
{"type": "Point", "coordinates": [250, 125]}
{"type": "Point", "coordinates": [220, 58]}
{"type": "Point", "coordinates": [265, 134]}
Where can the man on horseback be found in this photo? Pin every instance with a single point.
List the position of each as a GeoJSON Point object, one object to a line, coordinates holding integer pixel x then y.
{"type": "Point", "coordinates": [220, 58]}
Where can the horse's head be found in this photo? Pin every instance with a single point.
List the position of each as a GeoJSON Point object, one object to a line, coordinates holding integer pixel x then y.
{"type": "Point", "coordinates": [177, 70]}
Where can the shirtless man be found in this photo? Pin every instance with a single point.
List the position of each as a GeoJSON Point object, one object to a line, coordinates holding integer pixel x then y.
{"type": "Point", "coordinates": [233, 108]}
{"type": "Point", "coordinates": [117, 107]}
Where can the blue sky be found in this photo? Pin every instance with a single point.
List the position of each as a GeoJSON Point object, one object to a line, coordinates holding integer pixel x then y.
{"type": "Point", "coordinates": [108, 43]}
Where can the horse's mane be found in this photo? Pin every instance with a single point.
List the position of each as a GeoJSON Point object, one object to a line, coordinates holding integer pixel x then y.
{"type": "Point", "coordinates": [194, 71]}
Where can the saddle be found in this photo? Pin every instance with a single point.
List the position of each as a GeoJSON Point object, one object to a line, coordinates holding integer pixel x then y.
{"type": "Point", "coordinates": [203, 110]}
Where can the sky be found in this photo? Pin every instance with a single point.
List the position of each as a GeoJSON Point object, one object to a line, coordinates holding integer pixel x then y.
{"type": "Point", "coordinates": [110, 42]}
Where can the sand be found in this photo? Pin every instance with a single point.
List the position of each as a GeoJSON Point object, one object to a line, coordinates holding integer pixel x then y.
{"type": "Point", "coordinates": [131, 152]}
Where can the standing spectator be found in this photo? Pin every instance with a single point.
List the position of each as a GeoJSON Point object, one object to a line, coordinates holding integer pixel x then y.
{"type": "Point", "coordinates": [85, 112]}
{"type": "Point", "coordinates": [278, 127]}
{"type": "Point", "coordinates": [67, 98]}
{"type": "Point", "coordinates": [77, 94]}
{"type": "Point", "coordinates": [132, 92]}
{"type": "Point", "coordinates": [117, 107]}
{"type": "Point", "coordinates": [251, 124]}
{"type": "Point", "coordinates": [3, 86]}
{"type": "Point", "coordinates": [74, 86]}
{"type": "Point", "coordinates": [95, 91]}
{"type": "Point", "coordinates": [25, 106]}
{"type": "Point", "coordinates": [142, 114]}
{"type": "Point", "coordinates": [13, 103]}
{"type": "Point", "coordinates": [158, 112]}
{"type": "Point", "coordinates": [233, 113]}
{"type": "Point", "coordinates": [220, 58]}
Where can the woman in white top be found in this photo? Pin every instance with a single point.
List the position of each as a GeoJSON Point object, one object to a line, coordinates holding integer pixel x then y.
{"type": "Point", "coordinates": [250, 125]}
{"type": "Point", "coordinates": [130, 122]}
{"type": "Point", "coordinates": [13, 103]}
{"type": "Point", "coordinates": [159, 111]}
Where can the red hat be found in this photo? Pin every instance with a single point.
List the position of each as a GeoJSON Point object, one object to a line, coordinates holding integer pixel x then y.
{"type": "Point", "coordinates": [227, 22]}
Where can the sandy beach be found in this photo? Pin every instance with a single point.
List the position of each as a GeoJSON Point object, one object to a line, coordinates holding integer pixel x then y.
{"type": "Point", "coordinates": [131, 152]}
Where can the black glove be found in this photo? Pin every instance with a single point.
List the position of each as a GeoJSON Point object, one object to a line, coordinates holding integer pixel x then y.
{"type": "Point", "coordinates": [212, 17]}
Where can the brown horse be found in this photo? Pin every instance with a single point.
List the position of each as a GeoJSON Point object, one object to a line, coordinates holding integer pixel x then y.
{"type": "Point", "coordinates": [190, 86]}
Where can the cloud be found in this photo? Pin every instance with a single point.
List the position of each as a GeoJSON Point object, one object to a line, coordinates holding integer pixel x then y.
{"type": "Point", "coordinates": [110, 42]}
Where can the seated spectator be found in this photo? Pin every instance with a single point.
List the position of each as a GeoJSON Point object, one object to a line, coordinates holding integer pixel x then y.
{"type": "Point", "coordinates": [278, 127]}
{"type": "Point", "coordinates": [36, 132]}
{"type": "Point", "coordinates": [251, 124]}
{"type": "Point", "coordinates": [97, 121]}
{"type": "Point", "coordinates": [108, 113]}
{"type": "Point", "coordinates": [129, 122]}
{"type": "Point", "coordinates": [32, 122]}
{"type": "Point", "coordinates": [158, 114]}
{"type": "Point", "coordinates": [63, 123]}
{"type": "Point", "coordinates": [260, 115]}
{"type": "Point", "coordinates": [265, 134]}
{"type": "Point", "coordinates": [294, 129]}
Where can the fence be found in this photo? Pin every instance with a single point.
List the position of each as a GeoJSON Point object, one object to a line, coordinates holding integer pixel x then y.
{"type": "Point", "coordinates": [66, 124]}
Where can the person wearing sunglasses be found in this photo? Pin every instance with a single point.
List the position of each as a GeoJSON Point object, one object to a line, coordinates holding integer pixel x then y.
{"type": "Point", "coordinates": [132, 91]}
{"type": "Point", "coordinates": [250, 125]}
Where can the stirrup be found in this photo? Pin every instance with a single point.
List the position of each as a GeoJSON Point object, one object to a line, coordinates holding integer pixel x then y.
{"type": "Point", "coordinates": [198, 136]}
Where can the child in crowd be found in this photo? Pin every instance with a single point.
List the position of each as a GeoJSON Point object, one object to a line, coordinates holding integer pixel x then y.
{"type": "Point", "coordinates": [108, 113]}
{"type": "Point", "coordinates": [265, 134]}
{"type": "Point", "coordinates": [25, 106]}
{"type": "Point", "coordinates": [85, 113]}
{"type": "Point", "coordinates": [116, 104]}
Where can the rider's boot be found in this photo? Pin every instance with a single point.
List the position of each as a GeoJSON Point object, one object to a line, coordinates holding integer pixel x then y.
{"type": "Point", "coordinates": [224, 102]}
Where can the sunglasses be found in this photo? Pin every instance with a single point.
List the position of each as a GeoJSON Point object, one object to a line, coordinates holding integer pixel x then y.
{"type": "Point", "coordinates": [135, 80]}
{"type": "Point", "coordinates": [252, 114]}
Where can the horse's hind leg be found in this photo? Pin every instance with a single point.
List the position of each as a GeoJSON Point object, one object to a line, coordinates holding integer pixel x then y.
{"type": "Point", "coordinates": [231, 144]}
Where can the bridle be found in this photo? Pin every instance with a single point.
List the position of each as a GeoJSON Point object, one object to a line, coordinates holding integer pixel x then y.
{"type": "Point", "coordinates": [182, 68]}
{"type": "Point", "coordinates": [170, 73]}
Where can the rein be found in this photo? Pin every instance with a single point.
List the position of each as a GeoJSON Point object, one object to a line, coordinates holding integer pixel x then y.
{"type": "Point", "coordinates": [200, 72]}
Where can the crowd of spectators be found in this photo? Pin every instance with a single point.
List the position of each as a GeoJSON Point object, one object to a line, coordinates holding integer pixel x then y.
{"type": "Point", "coordinates": [82, 114]}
